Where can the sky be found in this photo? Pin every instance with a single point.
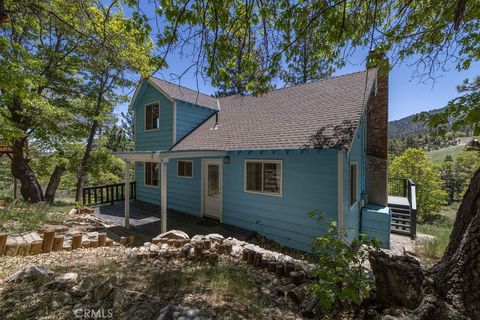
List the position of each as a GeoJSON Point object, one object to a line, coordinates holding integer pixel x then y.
{"type": "Point", "coordinates": [407, 94]}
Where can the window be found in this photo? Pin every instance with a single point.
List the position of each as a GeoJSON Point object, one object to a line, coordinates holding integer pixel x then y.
{"type": "Point", "coordinates": [152, 116]}
{"type": "Point", "coordinates": [151, 173]}
{"type": "Point", "coordinates": [263, 176]}
{"type": "Point", "coordinates": [353, 184]}
{"type": "Point", "coordinates": [185, 168]}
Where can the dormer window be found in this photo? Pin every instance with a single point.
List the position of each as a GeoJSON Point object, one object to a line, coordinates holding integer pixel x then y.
{"type": "Point", "coordinates": [152, 116]}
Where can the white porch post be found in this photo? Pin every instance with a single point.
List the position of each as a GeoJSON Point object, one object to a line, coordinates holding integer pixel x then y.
{"type": "Point", "coordinates": [163, 194]}
{"type": "Point", "coordinates": [127, 194]}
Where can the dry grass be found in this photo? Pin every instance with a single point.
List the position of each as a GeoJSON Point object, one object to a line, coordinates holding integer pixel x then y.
{"type": "Point", "coordinates": [19, 216]}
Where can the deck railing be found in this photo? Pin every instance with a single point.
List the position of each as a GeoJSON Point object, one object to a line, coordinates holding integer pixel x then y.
{"type": "Point", "coordinates": [109, 193]}
{"type": "Point", "coordinates": [403, 187]}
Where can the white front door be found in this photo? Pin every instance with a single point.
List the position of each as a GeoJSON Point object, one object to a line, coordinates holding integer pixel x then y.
{"type": "Point", "coordinates": [212, 188]}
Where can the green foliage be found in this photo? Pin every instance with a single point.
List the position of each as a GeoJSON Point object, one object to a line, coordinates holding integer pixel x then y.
{"type": "Point", "coordinates": [340, 275]}
{"type": "Point", "coordinates": [415, 164]}
{"type": "Point", "coordinates": [269, 31]}
{"type": "Point", "coordinates": [466, 164]}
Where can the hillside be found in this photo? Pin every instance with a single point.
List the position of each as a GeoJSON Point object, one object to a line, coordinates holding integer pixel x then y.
{"type": "Point", "coordinates": [405, 126]}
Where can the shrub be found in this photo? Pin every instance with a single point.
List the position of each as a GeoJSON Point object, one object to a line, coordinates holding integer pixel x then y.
{"type": "Point", "coordinates": [340, 275]}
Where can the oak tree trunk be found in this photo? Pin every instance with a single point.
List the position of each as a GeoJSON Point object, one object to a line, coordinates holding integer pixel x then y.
{"type": "Point", "coordinates": [457, 275]}
{"type": "Point", "coordinates": [30, 188]}
{"type": "Point", "coordinates": [83, 170]}
{"type": "Point", "coordinates": [54, 182]}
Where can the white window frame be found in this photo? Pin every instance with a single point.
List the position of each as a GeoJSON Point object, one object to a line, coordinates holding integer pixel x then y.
{"type": "Point", "coordinates": [263, 161]}
{"type": "Point", "coordinates": [187, 177]}
{"type": "Point", "coordinates": [145, 116]}
{"type": "Point", "coordinates": [357, 198]}
{"type": "Point", "coordinates": [145, 175]}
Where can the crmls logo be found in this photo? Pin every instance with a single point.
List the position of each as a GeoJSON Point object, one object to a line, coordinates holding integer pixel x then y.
{"type": "Point", "coordinates": [93, 314]}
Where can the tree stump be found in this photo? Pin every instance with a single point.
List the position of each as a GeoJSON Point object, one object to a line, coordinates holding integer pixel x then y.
{"type": "Point", "coordinates": [94, 243]}
{"type": "Point", "coordinates": [289, 267]}
{"type": "Point", "coordinates": [309, 309]}
{"type": "Point", "coordinates": [272, 266]}
{"type": "Point", "coordinates": [3, 241]}
{"type": "Point", "coordinates": [264, 263]}
{"type": "Point", "coordinates": [297, 294]}
{"type": "Point", "coordinates": [221, 248]}
{"type": "Point", "coordinates": [123, 241]}
{"type": "Point", "coordinates": [48, 240]}
{"type": "Point", "coordinates": [108, 242]}
{"type": "Point", "coordinates": [398, 279]}
{"type": "Point", "coordinates": [11, 248]}
{"type": "Point", "coordinates": [130, 239]}
{"type": "Point", "coordinates": [102, 239]}
{"type": "Point", "coordinates": [280, 269]}
{"type": "Point", "coordinates": [76, 241]}
{"type": "Point", "coordinates": [245, 254]}
{"type": "Point", "coordinates": [207, 244]}
{"type": "Point", "coordinates": [228, 247]}
{"type": "Point", "coordinates": [58, 242]}
{"type": "Point", "coordinates": [282, 292]}
{"type": "Point", "coordinates": [86, 244]}
{"type": "Point", "coordinates": [178, 243]}
{"type": "Point", "coordinates": [251, 256]}
{"type": "Point", "coordinates": [36, 247]}
{"type": "Point", "coordinates": [257, 262]}
{"type": "Point", "coordinates": [297, 277]}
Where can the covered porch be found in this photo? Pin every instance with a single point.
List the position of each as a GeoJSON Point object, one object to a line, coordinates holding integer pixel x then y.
{"type": "Point", "coordinates": [145, 222]}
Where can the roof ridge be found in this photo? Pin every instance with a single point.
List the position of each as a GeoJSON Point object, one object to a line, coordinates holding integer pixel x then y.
{"type": "Point", "coordinates": [301, 84]}
{"type": "Point", "coordinates": [183, 87]}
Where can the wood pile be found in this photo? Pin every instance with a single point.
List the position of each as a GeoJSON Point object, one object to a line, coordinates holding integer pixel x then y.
{"type": "Point", "coordinates": [53, 238]}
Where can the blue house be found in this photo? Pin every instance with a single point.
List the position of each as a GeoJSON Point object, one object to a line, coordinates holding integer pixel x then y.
{"type": "Point", "coordinates": [263, 163]}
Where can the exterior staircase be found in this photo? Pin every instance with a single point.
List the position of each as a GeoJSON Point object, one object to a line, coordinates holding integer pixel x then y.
{"type": "Point", "coordinates": [403, 205]}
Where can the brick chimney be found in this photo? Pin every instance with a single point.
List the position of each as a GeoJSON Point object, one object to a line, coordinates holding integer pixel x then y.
{"type": "Point", "coordinates": [377, 133]}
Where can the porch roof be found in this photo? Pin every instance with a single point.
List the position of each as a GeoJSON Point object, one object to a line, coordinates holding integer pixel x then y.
{"type": "Point", "coordinates": [165, 155]}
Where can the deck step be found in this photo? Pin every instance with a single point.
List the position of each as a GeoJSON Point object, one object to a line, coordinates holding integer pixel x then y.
{"type": "Point", "coordinates": [401, 219]}
{"type": "Point", "coordinates": [401, 208]}
{"type": "Point", "coordinates": [402, 232]}
{"type": "Point", "coordinates": [400, 225]}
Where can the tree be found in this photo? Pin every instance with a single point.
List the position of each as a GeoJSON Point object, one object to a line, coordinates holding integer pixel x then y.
{"type": "Point", "coordinates": [466, 164]}
{"type": "Point", "coordinates": [302, 65]}
{"type": "Point", "coordinates": [53, 56]}
{"type": "Point", "coordinates": [415, 164]}
{"type": "Point", "coordinates": [450, 178]}
{"type": "Point", "coordinates": [105, 73]}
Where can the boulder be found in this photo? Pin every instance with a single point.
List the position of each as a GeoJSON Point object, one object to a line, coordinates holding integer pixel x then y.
{"type": "Point", "coordinates": [171, 312]}
{"type": "Point", "coordinates": [173, 234]}
{"type": "Point", "coordinates": [66, 280]}
{"type": "Point", "coordinates": [104, 290]}
{"type": "Point", "coordinates": [31, 273]}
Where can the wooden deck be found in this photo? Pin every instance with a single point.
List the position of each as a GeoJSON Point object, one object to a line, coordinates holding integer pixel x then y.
{"type": "Point", "coordinates": [145, 222]}
{"type": "Point", "coordinates": [401, 201]}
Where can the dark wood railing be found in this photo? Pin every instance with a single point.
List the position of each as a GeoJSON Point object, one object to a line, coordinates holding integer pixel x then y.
{"type": "Point", "coordinates": [406, 188]}
{"type": "Point", "coordinates": [109, 193]}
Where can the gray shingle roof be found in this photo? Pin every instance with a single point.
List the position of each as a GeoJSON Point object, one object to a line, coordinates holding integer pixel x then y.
{"type": "Point", "coordinates": [181, 93]}
{"type": "Point", "coordinates": [289, 118]}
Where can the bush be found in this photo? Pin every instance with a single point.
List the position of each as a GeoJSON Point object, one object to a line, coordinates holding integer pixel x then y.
{"type": "Point", "coordinates": [339, 268]}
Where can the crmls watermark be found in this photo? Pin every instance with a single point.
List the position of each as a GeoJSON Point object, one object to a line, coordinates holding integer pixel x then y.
{"type": "Point", "coordinates": [93, 313]}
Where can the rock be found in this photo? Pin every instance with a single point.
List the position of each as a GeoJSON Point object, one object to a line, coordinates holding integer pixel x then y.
{"type": "Point", "coordinates": [215, 237]}
{"type": "Point", "coordinates": [398, 279]}
{"type": "Point", "coordinates": [171, 312]}
{"type": "Point", "coordinates": [66, 280]}
{"type": "Point", "coordinates": [31, 273]}
{"type": "Point", "coordinates": [104, 290]}
{"type": "Point", "coordinates": [173, 234]}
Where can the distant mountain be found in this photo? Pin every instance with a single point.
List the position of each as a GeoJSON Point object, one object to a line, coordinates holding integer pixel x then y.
{"type": "Point", "coordinates": [405, 126]}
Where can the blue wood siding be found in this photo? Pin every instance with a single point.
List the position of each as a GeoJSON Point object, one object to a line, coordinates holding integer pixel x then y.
{"type": "Point", "coordinates": [376, 223]}
{"type": "Point", "coordinates": [351, 214]}
{"type": "Point", "coordinates": [189, 116]}
{"type": "Point", "coordinates": [161, 139]}
{"type": "Point", "coordinates": [309, 183]}
{"type": "Point", "coordinates": [145, 193]}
